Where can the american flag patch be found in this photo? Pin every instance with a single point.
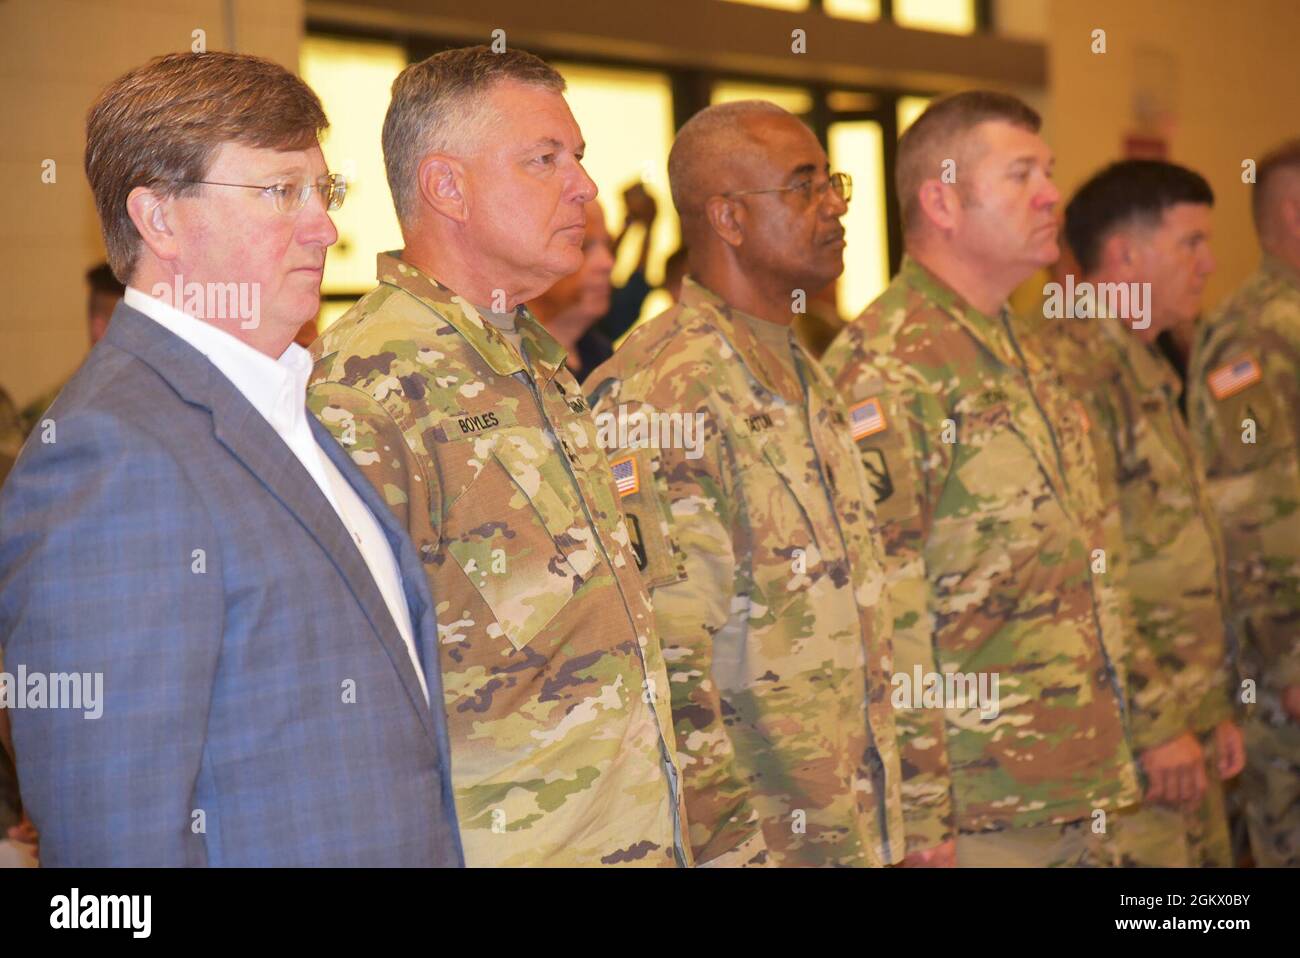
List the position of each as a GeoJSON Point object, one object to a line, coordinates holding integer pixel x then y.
{"type": "Point", "coordinates": [867, 418]}
{"type": "Point", "coordinates": [625, 477]}
{"type": "Point", "coordinates": [1234, 377]}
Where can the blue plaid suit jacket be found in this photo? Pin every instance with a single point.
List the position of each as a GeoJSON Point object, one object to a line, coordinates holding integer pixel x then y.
{"type": "Point", "coordinates": [259, 705]}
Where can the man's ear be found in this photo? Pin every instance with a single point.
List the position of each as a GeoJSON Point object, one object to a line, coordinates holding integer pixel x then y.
{"type": "Point", "coordinates": [443, 186]}
{"type": "Point", "coordinates": [940, 205]}
{"type": "Point", "coordinates": [1291, 212]}
{"type": "Point", "coordinates": [726, 218]}
{"type": "Point", "coordinates": [1119, 254]}
{"type": "Point", "coordinates": [150, 214]}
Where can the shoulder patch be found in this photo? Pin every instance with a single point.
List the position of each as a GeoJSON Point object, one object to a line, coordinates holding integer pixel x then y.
{"type": "Point", "coordinates": [1231, 378]}
{"type": "Point", "coordinates": [867, 418]}
{"type": "Point", "coordinates": [626, 478]}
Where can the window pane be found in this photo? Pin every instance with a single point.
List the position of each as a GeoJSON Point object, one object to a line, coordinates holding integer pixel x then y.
{"type": "Point", "coordinates": [793, 98]}
{"type": "Point", "coordinates": [853, 9]}
{"type": "Point", "coordinates": [948, 16]}
{"type": "Point", "coordinates": [857, 149]}
{"type": "Point", "coordinates": [909, 108]}
{"type": "Point", "coordinates": [851, 101]}
{"type": "Point", "coordinates": [626, 118]}
{"type": "Point", "coordinates": [353, 79]}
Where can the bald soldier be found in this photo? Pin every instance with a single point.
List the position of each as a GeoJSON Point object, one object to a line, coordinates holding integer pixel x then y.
{"type": "Point", "coordinates": [990, 510]}
{"type": "Point", "coordinates": [458, 406]}
{"type": "Point", "coordinates": [1140, 232]}
{"type": "Point", "coordinates": [1244, 406]}
{"type": "Point", "coordinates": [754, 529]}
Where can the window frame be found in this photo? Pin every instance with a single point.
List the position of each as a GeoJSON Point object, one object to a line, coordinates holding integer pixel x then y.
{"type": "Point", "coordinates": [691, 92]}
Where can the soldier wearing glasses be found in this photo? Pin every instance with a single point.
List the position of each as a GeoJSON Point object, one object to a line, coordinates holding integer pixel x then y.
{"type": "Point", "coordinates": [759, 544]}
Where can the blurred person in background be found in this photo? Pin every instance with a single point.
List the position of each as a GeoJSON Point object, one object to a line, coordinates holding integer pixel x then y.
{"type": "Point", "coordinates": [625, 301]}
{"type": "Point", "coordinates": [105, 292]}
{"type": "Point", "coordinates": [571, 308]}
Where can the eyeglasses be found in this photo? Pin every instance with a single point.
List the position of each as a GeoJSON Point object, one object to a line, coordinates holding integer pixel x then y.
{"type": "Point", "coordinates": [840, 183]}
{"type": "Point", "coordinates": [291, 195]}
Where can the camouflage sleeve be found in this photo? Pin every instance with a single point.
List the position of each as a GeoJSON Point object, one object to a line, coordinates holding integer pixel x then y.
{"type": "Point", "coordinates": [1155, 712]}
{"type": "Point", "coordinates": [375, 442]}
{"type": "Point", "coordinates": [1247, 439]}
{"type": "Point", "coordinates": [928, 813]}
{"type": "Point", "coordinates": [700, 602]}
{"type": "Point", "coordinates": [1212, 700]}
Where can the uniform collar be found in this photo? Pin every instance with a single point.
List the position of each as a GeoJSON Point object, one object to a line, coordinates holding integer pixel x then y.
{"type": "Point", "coordinates": [1149, 367]}
{"type": "Point", "coordinates": [545, 355]}
{"type": "Point", "coordinates": [1277, 269]}
{"type": "Point", "coordinates": [991, 331]}
{"type": "Point", "coordinates": [738, 329]}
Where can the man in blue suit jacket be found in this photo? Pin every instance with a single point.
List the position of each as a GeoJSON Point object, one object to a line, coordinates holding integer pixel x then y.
{"type": "Point", "coordinates": [180, 526]}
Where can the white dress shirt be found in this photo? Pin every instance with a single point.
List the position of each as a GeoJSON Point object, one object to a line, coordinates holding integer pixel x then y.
{"type": "Point", "coordinates": [278, 390]}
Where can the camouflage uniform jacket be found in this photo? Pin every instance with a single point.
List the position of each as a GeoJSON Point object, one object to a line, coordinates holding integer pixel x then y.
{"type": "Point", "coordinates": [1244, 406]}
{"type": "Point", "coordinates": [556, 694]}
{"type": "Point", "coordinates": [1175, 572]}
{"type": "Point", "coordinates": [766, 569]}
{"type": "Point", "coordinates": [990, 512]}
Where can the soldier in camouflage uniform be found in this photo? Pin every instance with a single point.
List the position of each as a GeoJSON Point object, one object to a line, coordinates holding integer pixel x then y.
{"type": "Point", "coordinates": [465, 417]}
{"type": "Point", "coordinates": [1244, 407]}
{"type": "Point", "coordinates": [1130, 225]}
{"type": "Point", "coordinates": [990, 510]}
{"type": "Point", "coordinates": [759, 542]}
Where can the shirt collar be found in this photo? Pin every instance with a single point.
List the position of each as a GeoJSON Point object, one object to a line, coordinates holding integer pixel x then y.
{"type": "Point", "coordinates": [276, 388]}
{"type": "Point", "coordinates": [737, 328]}
{"type": "Point", "coordinates": [992, 331]}
{"type": "Point", "coordinates": [545, 355]}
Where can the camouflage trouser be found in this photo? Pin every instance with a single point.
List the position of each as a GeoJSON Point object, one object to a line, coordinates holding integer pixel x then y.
{"type": "Point", "coordinates": [1164, 836]}
{"type": "Point", "coordinates": [1271, 788]}
{"type": "Point", "coordinates": [1074, 845]}
{"type": "Point", "coordinates": [1208, 837]}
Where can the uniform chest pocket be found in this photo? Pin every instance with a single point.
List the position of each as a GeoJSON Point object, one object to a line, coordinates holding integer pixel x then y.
{"type": "Point", "coordinates": [520, 542]}
{"type": "Point", "coordinates": [997, 470]}
{"type": "Point", "coordinates": [783, 502]}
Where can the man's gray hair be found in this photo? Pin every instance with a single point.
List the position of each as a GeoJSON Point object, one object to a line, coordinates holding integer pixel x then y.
{"type": "Point", "coordinates": [702, 152]}
{"type": "Point", "coordinates": [438, 107]}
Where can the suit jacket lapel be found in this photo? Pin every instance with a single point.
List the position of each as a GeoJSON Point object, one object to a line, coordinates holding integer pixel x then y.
{"type": "Point", "coordinates": [423, 616]}
{"type": "Point", "coordinates": [249, 437]}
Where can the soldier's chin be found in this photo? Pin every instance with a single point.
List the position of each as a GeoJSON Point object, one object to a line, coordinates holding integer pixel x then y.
{"type": "Point", "coordinates": [567, 261]}
{"type": "Point", "coordinates": [828, 272]}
